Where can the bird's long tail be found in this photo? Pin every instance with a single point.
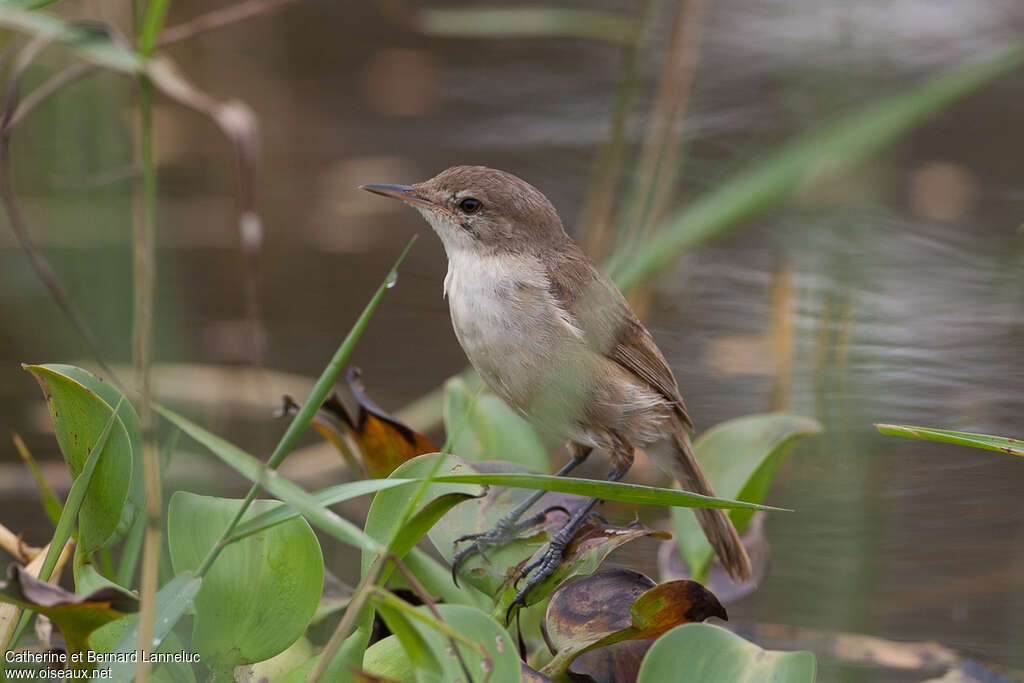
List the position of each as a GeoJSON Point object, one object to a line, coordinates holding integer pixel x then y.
{"type": "Point", "coordinates": [717, 526]}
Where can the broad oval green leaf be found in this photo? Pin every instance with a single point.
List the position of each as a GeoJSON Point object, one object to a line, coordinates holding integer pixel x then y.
{"type": "Point", "coordinates": [484, 427]}
{"type": "Point", "coordinates": [698, 653]}
{"type": "Point", "coordinates": [80, 406]}
{"type": "Point", "coordinates": [260, 594]}
{"type": "Point", "coordinates": [740, 457]}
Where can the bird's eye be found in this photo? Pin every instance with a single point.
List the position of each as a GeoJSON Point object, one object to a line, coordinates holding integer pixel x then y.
{"type": "Point", "coordinates": [470, 205]}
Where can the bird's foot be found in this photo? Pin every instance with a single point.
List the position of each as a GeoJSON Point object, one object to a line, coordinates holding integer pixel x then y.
{"type": "Point", "coordinates": [543, 566]}
{"type": "Point", "coordinates": [505, 531]}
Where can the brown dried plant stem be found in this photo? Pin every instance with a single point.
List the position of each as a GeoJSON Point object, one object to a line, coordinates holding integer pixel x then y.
{"type": "Point", "coordinates": [659, 161]}
{"type": "Point", "coordinates": [148, 24]}
{"type": "Point", "coordinates": [596, 216]}
{"type": "Point", "coordinates": [144, 270]}
{"type": "Point", "coordinates": [221, 18]}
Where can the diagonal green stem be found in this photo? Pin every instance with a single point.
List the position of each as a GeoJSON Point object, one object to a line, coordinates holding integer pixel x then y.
{"type": "Point", "coordinates": [309, 408]}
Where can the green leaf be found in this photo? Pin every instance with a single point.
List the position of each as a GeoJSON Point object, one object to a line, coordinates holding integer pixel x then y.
{"type": "Point", "coordinates": [313, 510]}
{"type": "Point", "coordinates": [260, 595]}
{"type": "Point", "coordinates": [384, 659]}
{"type": "Point", "coordinates": [80, 406]}
{"type": "Point", "coordinates": [279, 667]}
{"type": "Point", "coordinates": [252, 469]}
{"type": "Point", "coordinates": [437, 580]}
{"type": "Point", "coordinates": [485, 428]}
{"type": "Point", "coordinates": [605, 490]}
{"type": "Point", "coordinates": [991, 443]}
{"type": "Point", "coordinates": [90, 45]}
{"type": "Point", "coordinates": [172, 601]}
{"type": "Point", "coordinates": [740, 458]}
{"type": "Point", "coordinates": [385, 516]}
{"type": "Point", "coordinates": [70, 512]}
{"type": "Point", "coordinates": [90, 580]}
{"type": "Point", "coordinates": [698, 653]}
{"type": "Point", "coordinates": [763, 184]}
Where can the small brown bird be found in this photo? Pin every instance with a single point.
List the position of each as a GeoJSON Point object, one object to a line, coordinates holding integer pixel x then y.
{"type": "Point", "coordinates": [551, 335]}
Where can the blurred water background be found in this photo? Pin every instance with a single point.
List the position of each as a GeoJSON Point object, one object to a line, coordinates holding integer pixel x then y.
{"type": "Point", "coordinates": [904, 277]}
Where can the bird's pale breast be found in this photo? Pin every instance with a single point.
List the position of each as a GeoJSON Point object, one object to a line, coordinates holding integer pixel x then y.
{"type": "Point", "coordinates": [530, 352]}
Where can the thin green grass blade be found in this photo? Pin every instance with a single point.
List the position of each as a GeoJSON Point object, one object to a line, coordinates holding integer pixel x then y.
{"type": "Point", "coordinates": [152, 25]}
{"type": "Point", "coordinates": [605, 490]}
{"type": "Point", "coordinates": [50, 501]}
{"type": "Point", "coordinates": [763, 185]}
{"type": "Point", "coordinates": [330, 373]}
{"type": "Point", "coordinates": [325, 497]}
{"type": "Point", "coordinates": [1003, 444]}
{"type": "Point", "coordinates": [96, 48]}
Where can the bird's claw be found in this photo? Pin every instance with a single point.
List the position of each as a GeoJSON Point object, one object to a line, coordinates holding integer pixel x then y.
{"type": "Point", "coordinates": [477, 545]}
{"type": "Point", "coordinates": [538, 570]}
{"type": "Point", "coordinates": [503, 532]}
{"type": "Point", "coordinates": [499, 535]}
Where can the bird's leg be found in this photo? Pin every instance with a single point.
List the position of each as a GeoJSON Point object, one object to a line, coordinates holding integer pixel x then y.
{"type": "Point", "coordinates": [510, 526]}
{"type": "Point", "coordinates": [547, 562]}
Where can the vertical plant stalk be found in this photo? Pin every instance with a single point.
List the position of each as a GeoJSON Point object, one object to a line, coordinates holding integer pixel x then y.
{"type": "Point", "coordinates": [144, 280]}
{"type": "Point", "coordinates": [596, 216]}
{"type": "Point", "coordinates": [781, 338]}
{"type": "Point", "coordinates": [144, 265]}
{"type": "Point", "coordinates": [659, 162]}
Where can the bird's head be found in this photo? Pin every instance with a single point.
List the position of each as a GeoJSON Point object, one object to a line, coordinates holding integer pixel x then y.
{"type": "Point", "coordinates": [483, 210]}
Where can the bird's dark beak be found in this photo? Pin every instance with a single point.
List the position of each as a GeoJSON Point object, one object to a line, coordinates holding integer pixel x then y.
{"type": "Point", "coordinates": [405, 193]}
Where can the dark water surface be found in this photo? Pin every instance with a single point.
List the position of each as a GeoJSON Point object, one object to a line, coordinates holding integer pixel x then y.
{"type": "Point", "coordinates": [907, 274]}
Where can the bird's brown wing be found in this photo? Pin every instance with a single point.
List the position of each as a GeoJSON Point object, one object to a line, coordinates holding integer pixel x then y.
{"type": "Point", "coordinates": [609, 324]}
{"type": "Point", "coordinates": [636, 351]}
